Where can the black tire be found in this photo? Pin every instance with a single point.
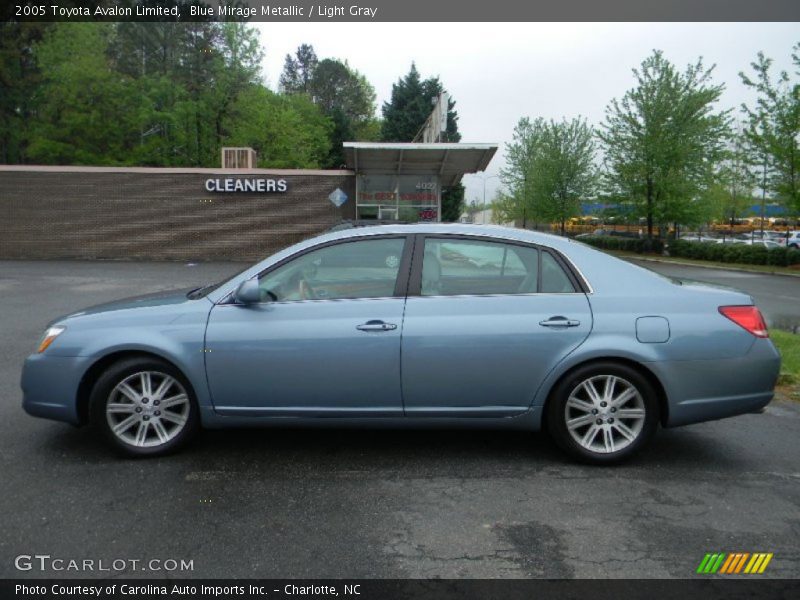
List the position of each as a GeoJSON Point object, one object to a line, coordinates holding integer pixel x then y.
{"type": "Point", "coordinates": [557, 414]}
{"type": "Point", "coordinates": [104, 392]}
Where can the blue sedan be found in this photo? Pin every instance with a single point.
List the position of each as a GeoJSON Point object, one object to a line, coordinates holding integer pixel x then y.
{"type": "Point", "coordinates": [413, 326]}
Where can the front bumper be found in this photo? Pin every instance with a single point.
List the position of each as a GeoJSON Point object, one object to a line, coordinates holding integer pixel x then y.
{"type": "Point", "coordinates": [50, 386]}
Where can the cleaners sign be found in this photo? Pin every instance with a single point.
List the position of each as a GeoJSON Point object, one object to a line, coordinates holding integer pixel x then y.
{"type": "Point", "coordinates": [231, 184]}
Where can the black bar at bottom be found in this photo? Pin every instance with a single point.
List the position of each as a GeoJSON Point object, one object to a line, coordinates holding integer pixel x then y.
{"type": "Point", "coordinates": [705, 587]}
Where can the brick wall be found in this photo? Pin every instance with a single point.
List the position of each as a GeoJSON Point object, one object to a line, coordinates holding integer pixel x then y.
{"type": "Point", "coordinates": [162, 214]}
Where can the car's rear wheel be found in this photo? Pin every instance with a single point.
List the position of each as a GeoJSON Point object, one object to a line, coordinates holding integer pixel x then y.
{"type": "Point", "coordinates": [144, 406]}
{"type": "Point", "coordinates": [603, 413]}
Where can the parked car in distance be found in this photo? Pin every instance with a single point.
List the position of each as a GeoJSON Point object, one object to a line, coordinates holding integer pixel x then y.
{"type": "Point", "coordinates": [768, 244]}
{"type": "Point", "coordinates": [775, 236]}
{"type": "Point", "coordinates": [701, 238]}
{"type": "Point", "coordinates": [473, 326]}
{"type": "Point", "coordinates": [609, 232]}
{"type": "Point", "coordinates": [793, 240]}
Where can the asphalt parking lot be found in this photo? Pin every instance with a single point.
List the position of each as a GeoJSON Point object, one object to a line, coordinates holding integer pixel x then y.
{"type": "Point", "coordinates": [778, 296]}
{"type": "Point", "coordinates": [309, 503]}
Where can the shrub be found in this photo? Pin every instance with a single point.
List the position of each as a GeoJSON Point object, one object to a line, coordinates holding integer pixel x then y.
{"type": "Point", "coordinates": [734, 253]}
{"type": "Point", "coordinates": [640, 245]}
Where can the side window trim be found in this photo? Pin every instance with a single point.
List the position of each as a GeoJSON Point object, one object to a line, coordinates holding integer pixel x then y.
{"type": "Point", "coordinates": [415, 276]}
{"type": "Point", "coordinates": [578, 283]}
{"type": "Point", "coordinates": [401, 282]}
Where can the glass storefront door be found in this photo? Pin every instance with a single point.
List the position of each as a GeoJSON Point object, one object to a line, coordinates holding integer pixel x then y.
{"type": "Point", "coordinates": [407, 198]}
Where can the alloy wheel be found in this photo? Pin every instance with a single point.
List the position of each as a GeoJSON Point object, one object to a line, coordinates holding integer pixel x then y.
{"type": "Point", "coordinates": [605, 414]}
{"type": "Point", "coordinates": [147, 409]}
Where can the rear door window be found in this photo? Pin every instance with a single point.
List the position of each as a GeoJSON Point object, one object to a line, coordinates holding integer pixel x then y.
{"type": "Point", "coordinates": [472, 267]}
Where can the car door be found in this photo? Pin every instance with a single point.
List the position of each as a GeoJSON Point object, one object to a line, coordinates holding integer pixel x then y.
{"type": "Point", "coordinates": [485, 322]}
{"type": "Point", "coordinates": [325, 340]}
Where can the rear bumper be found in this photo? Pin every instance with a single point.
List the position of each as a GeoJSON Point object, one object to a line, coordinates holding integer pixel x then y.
{"type": "Point", "coordinates": [706, 390]}
{"type": "Point", "coordinates": [50, 387]}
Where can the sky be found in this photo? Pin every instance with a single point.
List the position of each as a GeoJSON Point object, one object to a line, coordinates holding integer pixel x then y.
{"type": "Point", "coordinates": [500, 72]}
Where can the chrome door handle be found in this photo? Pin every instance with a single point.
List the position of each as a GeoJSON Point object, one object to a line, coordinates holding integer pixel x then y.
{"type": "Point", "coordinates": [376, 325]}
{"type": "Point", "coordinates": [559, 322]}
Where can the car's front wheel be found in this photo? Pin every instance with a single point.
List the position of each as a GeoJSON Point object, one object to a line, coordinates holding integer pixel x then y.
{"type": "Point", "coordinates": [603, 413]}
{"type": "Point", "coordinates": [144, 406]}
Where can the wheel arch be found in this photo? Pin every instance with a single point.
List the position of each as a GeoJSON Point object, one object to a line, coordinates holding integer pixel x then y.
{"type": "Point", "coordinates": [661, 394]}
{"type": "Point", "coordinates": [93, 373]}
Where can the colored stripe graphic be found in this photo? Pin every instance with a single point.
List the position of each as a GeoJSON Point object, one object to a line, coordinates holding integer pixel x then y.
{"type": "Point", "coordinates": [703, 563]}
{"type": "Point", "coordinates": [734, 563]}
{"type": "Point", "coordinates": [728, 563]}
{"type": "Point", "coordinates": [740, 563]}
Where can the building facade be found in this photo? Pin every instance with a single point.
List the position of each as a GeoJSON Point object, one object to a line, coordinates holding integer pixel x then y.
{"type": "Point", "coordinates": [51, 212]}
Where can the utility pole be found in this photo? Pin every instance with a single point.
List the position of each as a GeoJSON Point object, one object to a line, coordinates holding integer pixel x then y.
{"type": "Point", "coordinates": [763, 195]}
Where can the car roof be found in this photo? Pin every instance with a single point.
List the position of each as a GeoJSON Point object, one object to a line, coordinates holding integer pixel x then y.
{"type": "Point", "coordinates": [495, 231]}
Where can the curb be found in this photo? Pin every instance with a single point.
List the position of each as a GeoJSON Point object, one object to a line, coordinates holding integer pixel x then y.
{"type": "Point", "coordinates": [689, 264]}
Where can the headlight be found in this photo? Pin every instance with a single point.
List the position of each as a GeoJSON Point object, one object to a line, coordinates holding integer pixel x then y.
{"type": "Point", "coordinates": [49, 335]}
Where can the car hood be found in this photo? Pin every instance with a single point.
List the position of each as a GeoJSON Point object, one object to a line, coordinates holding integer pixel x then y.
{"type": "Point", "coordinates": [162, 298]}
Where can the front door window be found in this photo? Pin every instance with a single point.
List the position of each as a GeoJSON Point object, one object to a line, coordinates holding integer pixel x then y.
{"type": "Point", "coordinates": [358, 269]}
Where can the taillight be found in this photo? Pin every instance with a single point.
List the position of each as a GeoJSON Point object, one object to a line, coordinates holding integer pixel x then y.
{"type": "Point", "coordinates": [746, 317]}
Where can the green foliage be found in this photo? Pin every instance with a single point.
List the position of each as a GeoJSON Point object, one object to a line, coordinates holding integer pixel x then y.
{"type": "Point", "coordinates": [663, 139]}
{"type": "Point", "coordinates": [344, 95]}
{"type": "Point", "coordinates": [286, 131]}
{"type": "Point", "coordinates": [550, 168]}
{"type": "Point", "coordinates": [788, 345]}
{"type": "Point", "coordinates": [517, 203]}
{"type": "Point", "coordinates": [735, 253]}
{"type": "Point", "coordinates": [19, 80]}
{"type": "Point", "coordinates": [452, 203]}
{"type": "Point", "coordinates": [774, 127]}
{"type": "Point", "coordinates": [86, 112]}
{"type": "Point", "coordinates": [136, 93]}
{"type": "Point", "coordinates": [169, 93]}
{"type": "Point", "coordinates": [298, 70]}
{"type": "Point", "coordinates": [640, 245]}
{"type": "Point", "coordinates": [409, 107]}
{"type": "Point", "coordinates": [735, 179]}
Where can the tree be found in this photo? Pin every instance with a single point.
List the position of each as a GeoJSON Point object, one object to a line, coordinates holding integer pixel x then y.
{"type": "Point", "coordinates": [19, 79]}
{"type": "Point", "coordinates": [405, 114]}
{"type": "Point", "coordinates": [298, 70]}
{"type": "Point", "coordinates": [239, 59]}
{"type": "Point", "coordinates": [563, 169]}
{"type": "Point", "coordinates": [517, 204]}
{"type": "Point", "coordinates": [348, 99]}
{"type": "Point", "coordinates": [549, 170]}
{"type": "Point", "coordinates": [410, 105]}
{"type": "Point", "coordinates": [287, 131]}
{"type": "Point", "coordinates": [663, 139]}
{"type": "Point", "coordinates": [86, 113]}
{"type": "Point", "coordinates": [774, 127]}
{"type": "Point", "coordinates": [507, 208]}
{"type": "Point", "coordinates": [407, 109]}
{"type": "Point", "coordinates": [736, 178]}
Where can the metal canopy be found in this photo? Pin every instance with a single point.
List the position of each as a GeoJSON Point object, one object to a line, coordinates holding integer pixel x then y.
{"type": "Point", "coordinates": [449, 161]}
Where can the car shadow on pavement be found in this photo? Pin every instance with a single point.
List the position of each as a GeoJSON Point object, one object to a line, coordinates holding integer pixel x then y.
{"type": "Point", "coordinates": [433, 451]}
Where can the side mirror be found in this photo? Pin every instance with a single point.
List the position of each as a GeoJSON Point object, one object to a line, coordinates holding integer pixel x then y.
{"type": "Point", "coordinates": [248, 292]}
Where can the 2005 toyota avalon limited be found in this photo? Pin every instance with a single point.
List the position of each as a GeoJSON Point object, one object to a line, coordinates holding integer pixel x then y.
{"type": "Point", "coordinates": [413, 325]}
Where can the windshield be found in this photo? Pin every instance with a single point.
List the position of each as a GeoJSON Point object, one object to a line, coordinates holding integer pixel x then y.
{"type": "Point", "coordinates": [205, 290]}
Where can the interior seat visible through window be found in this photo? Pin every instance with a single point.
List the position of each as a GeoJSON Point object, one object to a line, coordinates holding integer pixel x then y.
{"type": "Point", "coordinates": [476, 267]}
